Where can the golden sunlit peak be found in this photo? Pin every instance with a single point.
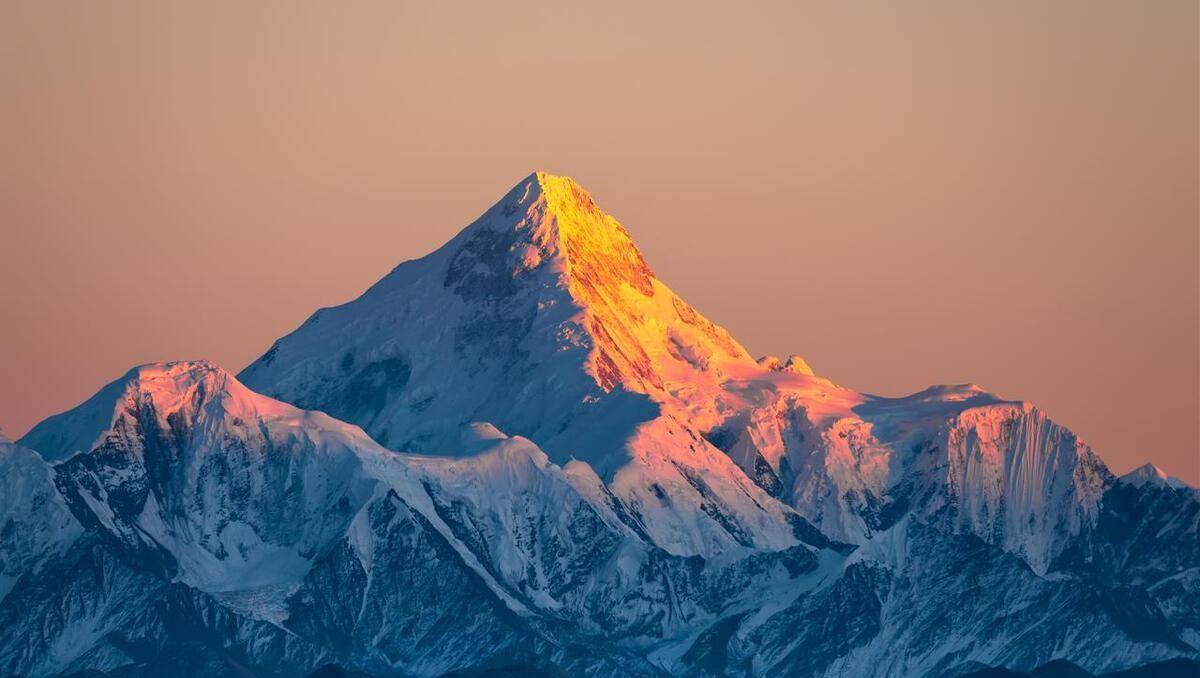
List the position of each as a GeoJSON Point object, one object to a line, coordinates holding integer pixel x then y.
{"type": "Point", "coordinates": [563, 192]}
{"type": "Point", "coordinates": [543, 176]}
{"type": "Point", "coordinates": [555, 208]}
{"type": "Point", "coordinates": [595, 244]}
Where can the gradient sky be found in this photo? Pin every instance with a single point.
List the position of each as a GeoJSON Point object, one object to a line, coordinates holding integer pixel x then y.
{"type": "Point", "coordinates": [904, 193]}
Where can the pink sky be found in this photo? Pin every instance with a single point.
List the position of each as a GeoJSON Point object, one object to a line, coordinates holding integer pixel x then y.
{"type": "Point", "coordinates": [904, 194]}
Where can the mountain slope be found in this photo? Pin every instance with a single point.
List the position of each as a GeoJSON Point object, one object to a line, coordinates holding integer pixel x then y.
{"type": "Point", "coordinates": [543, 319]}
{"type": "Point", "coordinates": [300, 533]}
{"type": "Point", "coordinates": [525, 450]}
{"type": "Point", "coordinates": [232, 499]}
{"type": "Point", "coordinates": [35, 524]}
{"type": "Point", "coordinates": [854, 464]}
{"type": "Point", "coordinates": [538, 315]}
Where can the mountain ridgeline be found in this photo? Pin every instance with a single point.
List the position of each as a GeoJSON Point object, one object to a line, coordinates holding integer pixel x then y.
{"type": "Point", "coordinates": [523, 454]}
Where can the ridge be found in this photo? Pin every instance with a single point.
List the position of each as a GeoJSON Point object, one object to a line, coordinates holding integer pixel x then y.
{"type": "Point", "coordinates": [1150, 473]}
{"type": "Point", "coordinates": [548, 222]}
{"type": "Point", "coordinates": [168, 389]}
{"type": "Point", "coordinates": [540, 306]}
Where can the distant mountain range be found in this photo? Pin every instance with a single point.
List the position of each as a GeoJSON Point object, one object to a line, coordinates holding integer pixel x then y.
{"type": "Point", "coordinates": [523, 454]}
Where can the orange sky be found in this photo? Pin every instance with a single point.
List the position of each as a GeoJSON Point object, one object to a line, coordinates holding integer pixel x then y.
{"type": "Point", "coordinates": [904, 193]}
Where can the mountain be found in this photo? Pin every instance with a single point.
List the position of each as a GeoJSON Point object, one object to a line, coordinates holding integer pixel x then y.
{"type": "Point", "coordinates": [1171, 668]}
{"type": "Point", "coordinates": [542, 318]}
{"type": "Point", "coordinates": [1153, 475]}
{"type": "Point", "coordinates": [524, 453]}
{"type": "Point", "coordinates": [35, 524]}
{"type": "Point", "coordinates": [294, 538]}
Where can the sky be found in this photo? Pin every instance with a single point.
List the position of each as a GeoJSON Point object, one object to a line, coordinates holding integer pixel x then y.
{"type": "Point", "coordinates": [1006, 194]}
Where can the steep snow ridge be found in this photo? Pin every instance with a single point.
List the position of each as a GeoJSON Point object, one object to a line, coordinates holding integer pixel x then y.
{"type": "Point", "coordinates": [853, 463]}
{"type": "Point", "coordinates": [237, 488]}
{"type": "Point", "coordinates": [799, 437]}
{"type": "Point", "coordinates": [169, 388]}
{"type": "Point", "coordinates": [75, 430]}
{"type": "Point", "coordinates": [642, 333]}
{"type": "Point", "coordinates": [35, 524]}
{"type": "Point", "coordinates": [524, 520]}
{"type": "Point", "coordinates": [594, 556]}
{"type": "Point", "coordinates": [1021, 480]}
{"type": "Point", "coordinates": [692, 499]}
{"type": "Point", "coordinates": [1149, 474]}
{"type": "Point", "coordinates": [501, 495]}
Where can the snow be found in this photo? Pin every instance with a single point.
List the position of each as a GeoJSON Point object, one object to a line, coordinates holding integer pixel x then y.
{"type": "Point", "coordinates": [1149, 474]}
{"type": "Point", "coordinates": [76, 430]}
{"type": "Point", "coordinates": [794, 364]}
{"type": "Point", "coordinates": [36, 523]}
{"type": "Point", "coordinates": [568, 424]}
{"type": "Point", "coordinates": [542, 318]}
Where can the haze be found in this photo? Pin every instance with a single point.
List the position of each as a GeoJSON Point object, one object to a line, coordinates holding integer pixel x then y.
{"type": "Point", "coordinates": [905, 194]}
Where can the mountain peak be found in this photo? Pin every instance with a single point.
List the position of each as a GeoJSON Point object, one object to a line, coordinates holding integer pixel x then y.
{"type": "Point", "coordinates": [562, 191]}
{"type": "Point", "coordinates": [170, 382]}
{"type": "Point", "coordinates": [564, 195]}
{"type": "Point", "coordinates": [546, 222]}
{"type": "Point", "coordinates": [548, 233]}
{"type": "Point", "coordinates": [167, 389]}
{"type": "Point", "coordinates": [1150, 474]}
{"type": "Point", "coordinates": [530, 315]}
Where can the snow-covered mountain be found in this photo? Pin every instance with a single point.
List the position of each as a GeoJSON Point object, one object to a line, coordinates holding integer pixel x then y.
{"type": "Point", "coordinates": [35, 525]}
{"type": "Point", "coordinates": [541, 318]}
{"type": "Point", "coordinates": [524, 449]}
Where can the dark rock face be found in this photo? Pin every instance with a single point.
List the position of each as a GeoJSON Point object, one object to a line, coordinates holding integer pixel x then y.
{"type": "Point", "coordinates": [1144, 552]}
{"type": "Point", "coordinates": [1171, 668]}
{"type": "Point", "coordinates": [418, 606]}
{"type": "Point", "coordinates": [130, 623]}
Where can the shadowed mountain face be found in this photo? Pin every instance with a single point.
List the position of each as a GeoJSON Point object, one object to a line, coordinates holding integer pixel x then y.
{"type": "Point", "coordinates": [523, 452]}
